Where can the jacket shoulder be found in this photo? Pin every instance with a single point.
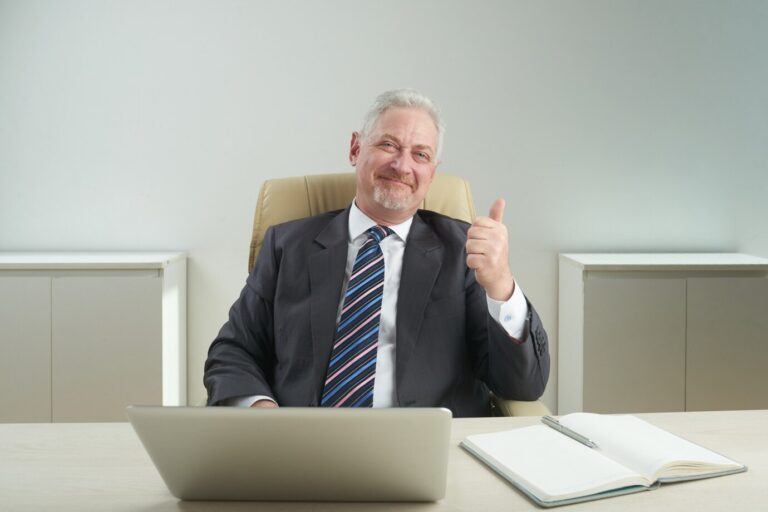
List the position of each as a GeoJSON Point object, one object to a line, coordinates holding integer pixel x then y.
{"type": "Point", "coordinates": [445, 227]}
{"type": "Point", "coordinates": [320, 219]}
{"type": "Point", "coordinates": [304, 229]}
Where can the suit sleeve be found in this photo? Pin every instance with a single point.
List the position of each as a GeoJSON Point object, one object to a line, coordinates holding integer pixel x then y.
{"type": "Point", "coordinates": [512, 369]}
{"type": "Point", "coordinates": [241, 359]}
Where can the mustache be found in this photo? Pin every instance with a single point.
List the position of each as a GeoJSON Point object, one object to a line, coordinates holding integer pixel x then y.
{"type": "Point", "coordinates": [406, 179]}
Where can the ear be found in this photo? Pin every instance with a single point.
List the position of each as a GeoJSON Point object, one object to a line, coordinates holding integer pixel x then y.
{"type": "Point", "coordinates": [354, 148]}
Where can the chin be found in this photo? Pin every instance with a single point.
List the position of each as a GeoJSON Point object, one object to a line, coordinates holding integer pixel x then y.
{"type": "Point", "coordinates": [390, 201]}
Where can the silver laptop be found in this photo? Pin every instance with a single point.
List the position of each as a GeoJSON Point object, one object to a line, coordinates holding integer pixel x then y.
{"type": "Point", "coordinates": [297, 454]}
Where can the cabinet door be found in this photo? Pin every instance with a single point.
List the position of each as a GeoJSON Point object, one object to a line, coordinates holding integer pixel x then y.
{"type": "Point", "coordinates": [107, 350]}
{"type": "Point", "coordinates": [634, 343]}
{"type": "Point", "coordinates": [25, 349]}
{"type": "Point", "coordinates": [727, 360]}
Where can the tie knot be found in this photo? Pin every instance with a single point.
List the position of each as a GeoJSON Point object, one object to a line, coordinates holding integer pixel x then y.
{"type": "Point", "coordinates": [379, 233]}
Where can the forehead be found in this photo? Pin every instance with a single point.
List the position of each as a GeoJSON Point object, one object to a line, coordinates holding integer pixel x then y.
{"type": "Point", "coordinates": [411, 126]}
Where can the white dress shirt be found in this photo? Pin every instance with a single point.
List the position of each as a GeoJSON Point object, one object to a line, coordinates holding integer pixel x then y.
{"type": "Point", "coordinates": [510, 315]}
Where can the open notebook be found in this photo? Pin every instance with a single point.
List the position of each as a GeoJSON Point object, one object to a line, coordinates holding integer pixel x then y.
{"type": "Point", "coordinates": [631, 455]}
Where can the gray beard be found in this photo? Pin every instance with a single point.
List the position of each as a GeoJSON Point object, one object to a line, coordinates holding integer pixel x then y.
{"type": "Point", "coordinates": [383, 199]}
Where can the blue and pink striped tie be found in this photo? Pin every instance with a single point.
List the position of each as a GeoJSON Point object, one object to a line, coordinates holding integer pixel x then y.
{"type": "Point", "coordinates": [352, 368]}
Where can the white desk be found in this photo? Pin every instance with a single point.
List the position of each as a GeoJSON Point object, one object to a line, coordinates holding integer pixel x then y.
{"type": "Point", "coordinates": [83, 467]}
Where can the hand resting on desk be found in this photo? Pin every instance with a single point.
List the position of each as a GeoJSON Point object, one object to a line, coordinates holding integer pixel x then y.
{"type": "Point", "coordinates": [264, 403]}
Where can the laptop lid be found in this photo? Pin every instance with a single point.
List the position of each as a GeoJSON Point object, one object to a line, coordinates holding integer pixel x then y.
{"type": "Point", "coordinates": [297, 454]}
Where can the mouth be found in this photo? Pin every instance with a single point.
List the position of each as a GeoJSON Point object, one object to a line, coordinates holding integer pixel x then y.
{"type": "Point", "coordinates": [396, 181]}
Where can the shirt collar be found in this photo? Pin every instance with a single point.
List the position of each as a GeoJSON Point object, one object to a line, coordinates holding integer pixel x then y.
{"type": "Point", "coordinates": [359, 223]}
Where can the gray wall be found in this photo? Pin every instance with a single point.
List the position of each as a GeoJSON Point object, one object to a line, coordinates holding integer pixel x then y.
{"type": "Point", "coordinates": [607, 125]}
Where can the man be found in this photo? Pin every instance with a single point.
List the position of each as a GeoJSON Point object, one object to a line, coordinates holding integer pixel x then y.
{"type": "Point", "coordinates": [382, 304]}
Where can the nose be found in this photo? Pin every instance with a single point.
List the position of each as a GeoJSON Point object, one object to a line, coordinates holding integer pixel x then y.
{"type": "Point", "coordinates": [401, 162]}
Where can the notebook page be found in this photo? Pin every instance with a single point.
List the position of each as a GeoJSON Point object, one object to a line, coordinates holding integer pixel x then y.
{"type": "Point", "coordinates": [551, 465]}
{"type": "Point", "coordinates": [643, 447]}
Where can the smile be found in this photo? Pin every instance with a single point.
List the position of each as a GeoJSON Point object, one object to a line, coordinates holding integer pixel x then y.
{"type": "Point", "coordinates": [395, 181]}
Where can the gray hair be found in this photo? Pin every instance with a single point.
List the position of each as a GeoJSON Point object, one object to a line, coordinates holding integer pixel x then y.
{"type": "Point", "coordinates": [407, 98]}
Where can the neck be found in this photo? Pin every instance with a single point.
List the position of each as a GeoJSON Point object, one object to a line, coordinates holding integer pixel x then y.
{"type": "Point", "coordinates": [383, 216]}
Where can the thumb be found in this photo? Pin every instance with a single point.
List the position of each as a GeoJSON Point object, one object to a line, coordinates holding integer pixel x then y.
{"type": "Point", "coordinates": [497, 210]}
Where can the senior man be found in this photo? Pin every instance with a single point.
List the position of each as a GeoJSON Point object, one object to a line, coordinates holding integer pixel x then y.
{"type": "Point", "coordinates": [382, 304]}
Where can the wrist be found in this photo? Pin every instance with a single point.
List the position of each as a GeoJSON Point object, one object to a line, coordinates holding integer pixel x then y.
{"type": "Point", "coordinates": [502, 289]}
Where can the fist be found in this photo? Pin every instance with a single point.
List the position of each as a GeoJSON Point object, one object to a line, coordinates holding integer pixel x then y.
{"type": "Point", "coordinates": [488, 253]}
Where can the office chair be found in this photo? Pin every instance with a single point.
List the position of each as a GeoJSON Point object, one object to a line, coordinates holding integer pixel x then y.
{"type": "Point", "coordinates": [284, 199]}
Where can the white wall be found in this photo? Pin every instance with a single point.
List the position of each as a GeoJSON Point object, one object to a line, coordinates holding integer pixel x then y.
{"type": "Point", "coordinates": [607, 125]}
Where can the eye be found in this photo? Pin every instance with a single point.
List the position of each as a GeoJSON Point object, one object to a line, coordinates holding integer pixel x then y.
{"type": "Point", "coordinates": [421, 156]}
{"type": "Point", "coordinates": [387, 146]}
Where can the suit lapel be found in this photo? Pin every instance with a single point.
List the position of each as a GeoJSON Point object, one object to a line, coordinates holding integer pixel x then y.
{"type": "Point", "coordinates": [326, 276]}
{"type": "Point", "coordinates": [421, 264]}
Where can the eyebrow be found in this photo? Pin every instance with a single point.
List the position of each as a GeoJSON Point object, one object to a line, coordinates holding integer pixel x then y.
{"type": "Point", "coordinates": [416, 146]}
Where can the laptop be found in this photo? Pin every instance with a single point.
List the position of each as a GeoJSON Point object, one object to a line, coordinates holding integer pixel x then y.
{"type": "Point", "coordinates": [297, 454]}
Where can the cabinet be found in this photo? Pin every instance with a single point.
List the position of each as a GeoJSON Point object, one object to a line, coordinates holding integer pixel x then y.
{"type": "Point", "coordinates": [82, 335]}
{"type": "Point", "coordinates": [662, 332]}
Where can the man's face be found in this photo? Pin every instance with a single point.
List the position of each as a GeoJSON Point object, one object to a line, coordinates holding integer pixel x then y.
{"type": "Point", "coordinates": [395, 164]}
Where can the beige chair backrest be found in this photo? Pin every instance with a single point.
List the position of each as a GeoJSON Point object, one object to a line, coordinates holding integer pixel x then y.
{"type": "Point", "coordinates": [284, 199]}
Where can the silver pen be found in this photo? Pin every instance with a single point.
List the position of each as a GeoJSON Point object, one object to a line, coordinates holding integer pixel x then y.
{"type": "Point", "coordinates": [552, 422]}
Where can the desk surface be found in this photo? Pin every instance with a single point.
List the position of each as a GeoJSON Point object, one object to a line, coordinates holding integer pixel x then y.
{"type": "Point", "coordinates": [83, 467]}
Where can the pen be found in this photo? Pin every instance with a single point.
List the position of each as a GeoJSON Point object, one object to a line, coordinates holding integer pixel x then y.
{"type": "Point", "coordinates": [553, 423]}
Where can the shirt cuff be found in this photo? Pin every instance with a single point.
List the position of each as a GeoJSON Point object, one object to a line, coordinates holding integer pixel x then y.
{"type": "Point", "coordinates": [246, 401]}
{"type": "Point", "coordinates": [512, 314]}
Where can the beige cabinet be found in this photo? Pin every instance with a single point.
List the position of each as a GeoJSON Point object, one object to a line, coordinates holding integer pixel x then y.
{"type": "Point", "coordinates": [662, 332]}
{"type": "Point", "coordinates": [25, 348]}
{"type": "Point", "coordinates": [83, 335]}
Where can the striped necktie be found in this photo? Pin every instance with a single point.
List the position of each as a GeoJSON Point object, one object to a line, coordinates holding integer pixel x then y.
{"type": "Point", "coordinates": [352, 368]}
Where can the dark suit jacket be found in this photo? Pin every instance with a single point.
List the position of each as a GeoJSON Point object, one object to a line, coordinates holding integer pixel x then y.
{"type": "Point", "coordinates": [278, 339]}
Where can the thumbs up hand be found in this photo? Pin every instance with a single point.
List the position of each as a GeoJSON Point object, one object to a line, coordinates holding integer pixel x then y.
{"type": "Point", "coordinates": [488, 253]}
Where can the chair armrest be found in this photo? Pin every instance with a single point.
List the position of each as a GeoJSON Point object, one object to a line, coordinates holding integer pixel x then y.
{"type": "Point", "coordinates": [518, 407]}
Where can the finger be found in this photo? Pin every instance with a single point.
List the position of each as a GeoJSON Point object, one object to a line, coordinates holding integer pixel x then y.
{"type": "Point", "coordinates": [484, 245]}
{"type": "Point", "coordinates": [479, 233]}
{"type": "Point", "coordinates": [476, 247]}
{"type": "Point", "coordinates": [497, 210]}
{"type": "Point", "coordinates": [484, 222]}
{"type": "Point", "coordinates": [495, 235]}
{"type": "Point", "coordinates": [474, 261]}
{"type": "Point", "coordinates": [484, 227]}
